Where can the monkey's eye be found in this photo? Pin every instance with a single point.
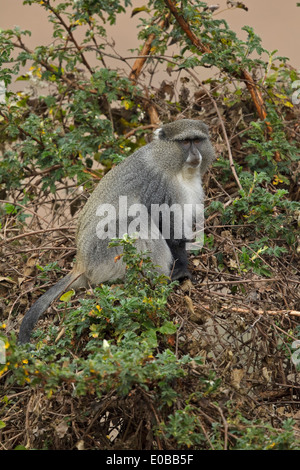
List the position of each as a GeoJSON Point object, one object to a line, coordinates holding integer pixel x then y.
{"type": "Point", "coordinates": [185, 142]}
{"type": "Point", "coordinates": [198, 140]}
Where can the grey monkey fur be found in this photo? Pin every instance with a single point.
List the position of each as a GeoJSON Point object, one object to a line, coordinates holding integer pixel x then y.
{"type": "Point", "coordinates": [160, 172]}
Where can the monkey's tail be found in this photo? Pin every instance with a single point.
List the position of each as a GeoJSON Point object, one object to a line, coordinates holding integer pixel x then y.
{"type": "Point", "coordinates": [41, 305]}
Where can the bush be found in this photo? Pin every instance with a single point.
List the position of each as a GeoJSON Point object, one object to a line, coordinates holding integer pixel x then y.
{"type": "Point", "coordinates": [147, 364]}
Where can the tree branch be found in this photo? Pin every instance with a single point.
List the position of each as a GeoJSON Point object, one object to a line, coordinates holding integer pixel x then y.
{"type": "Point", "coordinates": [70, 33]}
{"type": "Point", "coordinates": [144, 54]}
{"type": "Point", "coordinates": [138, 66]}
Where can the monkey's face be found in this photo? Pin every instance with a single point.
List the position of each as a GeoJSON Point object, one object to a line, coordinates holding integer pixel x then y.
{"type": "Point", "coordinates": [192, 152]}
{"type": "Point", "coordinates": [188, 142]}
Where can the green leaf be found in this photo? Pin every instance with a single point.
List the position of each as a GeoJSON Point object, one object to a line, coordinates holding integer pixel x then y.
{"type": "Point", "coordinates": [168, 328]}
{"type": "Point", "coordinates": [150, 336]}
{"type": "Point", "coordinates": [67, 296]}
{"type": "Point", "coordinates": [135, 11]}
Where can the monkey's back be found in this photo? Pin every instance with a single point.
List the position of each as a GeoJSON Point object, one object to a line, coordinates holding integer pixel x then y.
{"type": "Point", "coordinates": [129, 179]}
{"type": "Point", "coordinates": [125, 179]}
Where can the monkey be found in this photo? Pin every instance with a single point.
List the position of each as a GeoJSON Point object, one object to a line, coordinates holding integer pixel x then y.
{"type": "Point", "coordinates": [167, 171]}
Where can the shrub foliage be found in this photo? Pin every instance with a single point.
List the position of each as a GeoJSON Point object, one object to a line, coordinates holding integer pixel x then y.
{"type": "Point", "coordinates": [147, 364]}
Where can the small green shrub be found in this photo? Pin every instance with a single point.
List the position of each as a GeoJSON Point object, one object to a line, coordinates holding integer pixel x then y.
{"type": "Point", "coordinates": [134, 319]}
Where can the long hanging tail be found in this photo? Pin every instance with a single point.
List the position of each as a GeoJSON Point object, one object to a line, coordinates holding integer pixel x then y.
{"type": "Point", "coordinates": [41, 305]}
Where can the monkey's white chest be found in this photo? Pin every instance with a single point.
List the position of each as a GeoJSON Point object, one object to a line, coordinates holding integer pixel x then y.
{"type": "Point", "coordinates": [191, 201]}
{"type": "Point", "coordinates": [190, 185]}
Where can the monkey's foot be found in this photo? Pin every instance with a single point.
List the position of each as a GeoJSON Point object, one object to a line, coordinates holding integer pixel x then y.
{"type": "Point", "coordinates": [181, 275]}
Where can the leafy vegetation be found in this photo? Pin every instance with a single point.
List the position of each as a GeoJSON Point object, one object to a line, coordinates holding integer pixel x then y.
{"type": "Point", "coordinates": [149, 364]}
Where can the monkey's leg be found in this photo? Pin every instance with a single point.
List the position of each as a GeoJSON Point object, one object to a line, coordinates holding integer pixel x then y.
{"type": "Point", "coordinates": [180, 258]}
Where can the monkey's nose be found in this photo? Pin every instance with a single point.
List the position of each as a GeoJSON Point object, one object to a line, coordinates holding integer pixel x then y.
{"type": "Point", "coordinates": [194, 159]}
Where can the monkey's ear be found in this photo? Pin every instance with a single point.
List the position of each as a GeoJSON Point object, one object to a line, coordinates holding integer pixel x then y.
{"type": "Point", "coordinates": [159, 134]}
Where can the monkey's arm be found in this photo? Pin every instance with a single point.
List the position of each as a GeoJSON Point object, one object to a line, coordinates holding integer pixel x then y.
{"type": "Point", "coordinates": [41, 305]}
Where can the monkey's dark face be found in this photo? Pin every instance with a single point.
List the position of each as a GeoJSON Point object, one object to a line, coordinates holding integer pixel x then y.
{"type": "Point", "coordinates": [192, 151]}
